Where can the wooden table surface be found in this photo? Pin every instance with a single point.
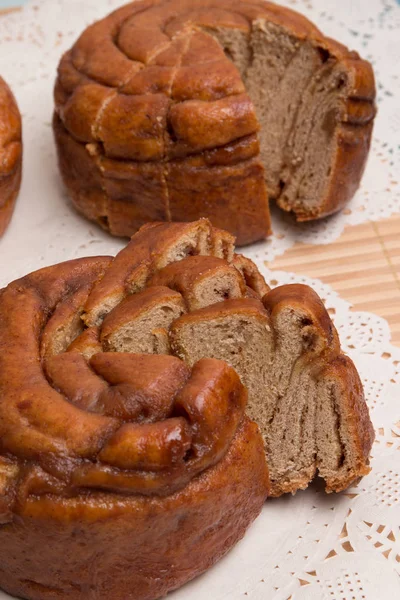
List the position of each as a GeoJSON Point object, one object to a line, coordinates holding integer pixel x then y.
{"type": "Point", "coordinates": [363, 266]}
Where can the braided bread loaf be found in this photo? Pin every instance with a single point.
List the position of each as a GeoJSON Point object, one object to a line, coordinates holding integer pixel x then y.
{"type": "Point", "coordinates": [123, 472]}
{"type": "Point", "coordinates": [170, 110]}
{"type": "Point", "coordinates": [10, 154]}
{"type": "Point", "coordinates": [124, 446]}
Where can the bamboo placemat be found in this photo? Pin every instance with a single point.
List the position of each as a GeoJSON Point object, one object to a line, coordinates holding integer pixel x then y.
{"type": "Point", "coordinates": [4, 11]}
{"type": "Point", "coordinates": [363, 265]}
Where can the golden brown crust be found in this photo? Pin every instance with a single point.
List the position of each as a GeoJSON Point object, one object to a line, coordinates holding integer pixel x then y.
{"type": "Point", "coordinates": [151, 249]}
{"type": "Point", "coordinates": [197, 276]}
{"type": "Point", "coordinates": [10, 154]}
{"type": "Point", "coordinates": [236, 199]}
{"type": "Point", "coordinates": [61, 427]}
{"type": "Point", "coordinates": [303, 298]}
{"type": "Point", "coordinates": [176, 107]}
{"type": "Point", "coordinates": [188, 532]}
{"type": "Point", "coordinates": [192, 149]}
{"type": "Point", "coordinates": [252, 276]}
{"type": "Point", "coordinates": [136, 305]}
{"type": "Point", "coordinates": [87, 343]}
{"type": "Point", "coordinates": [104, 441]}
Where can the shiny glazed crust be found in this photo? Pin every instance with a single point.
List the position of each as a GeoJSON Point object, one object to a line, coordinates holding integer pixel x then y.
{"type": "Point", "coordinates": [131, 463]}
{"type": "Point", "coordinates": [117, 450]}
{"type": "Point", "coordinates": [192, 149]}
{"type": "Point", "coordinates": [135, 547]}
{"type": "Point", "coordinates": [10, 154]}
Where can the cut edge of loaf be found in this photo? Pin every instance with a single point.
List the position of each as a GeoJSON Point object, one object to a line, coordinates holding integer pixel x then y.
{"type": "Point", "coordinates": [282, 343]}
{"type": "Point", "coordinates": [315, 129]}
{"type": "Point", "coordinates": [304, 394]}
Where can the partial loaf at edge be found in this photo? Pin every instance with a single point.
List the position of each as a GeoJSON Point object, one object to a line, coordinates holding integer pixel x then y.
{"type": "Point", "coordinates": [10, 154]}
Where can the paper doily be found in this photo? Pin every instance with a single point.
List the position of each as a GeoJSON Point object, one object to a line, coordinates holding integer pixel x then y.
{"type": "Point", "coordinates": [31, 44]}
{"type": "Point", "coordinates": [311, 546]}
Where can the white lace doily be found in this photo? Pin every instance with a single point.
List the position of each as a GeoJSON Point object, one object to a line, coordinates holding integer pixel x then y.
{"type": "Point", "coordinates": [31, 44]}
{"type": "Point", "coordinates": [311, 546]}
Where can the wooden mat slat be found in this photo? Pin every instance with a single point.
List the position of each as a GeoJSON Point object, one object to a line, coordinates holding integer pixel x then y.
{"type": "Point", "coordinates": [363, 266]}
{"type": "Point", "coordinates": [4, 11]}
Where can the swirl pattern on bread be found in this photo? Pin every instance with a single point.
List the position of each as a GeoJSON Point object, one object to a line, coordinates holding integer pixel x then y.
{"type": "Point", "coordinates": [106, 433]}
{"type": "Point", "coordinates": [122, 412]}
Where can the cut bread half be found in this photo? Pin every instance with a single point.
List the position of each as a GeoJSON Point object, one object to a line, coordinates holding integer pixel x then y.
{"type": "Point", "coordinates": [179, 289]}
{"type": "Point", "coordinates": [208, 108]}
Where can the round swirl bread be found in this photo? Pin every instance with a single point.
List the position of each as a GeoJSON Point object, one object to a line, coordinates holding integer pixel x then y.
{"type": "Point", "coordinates": [127, 464]}
{"type": "Point", "coordinates": [170, 110]}
{"type": "Point", "coordinates": [10, 154]}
